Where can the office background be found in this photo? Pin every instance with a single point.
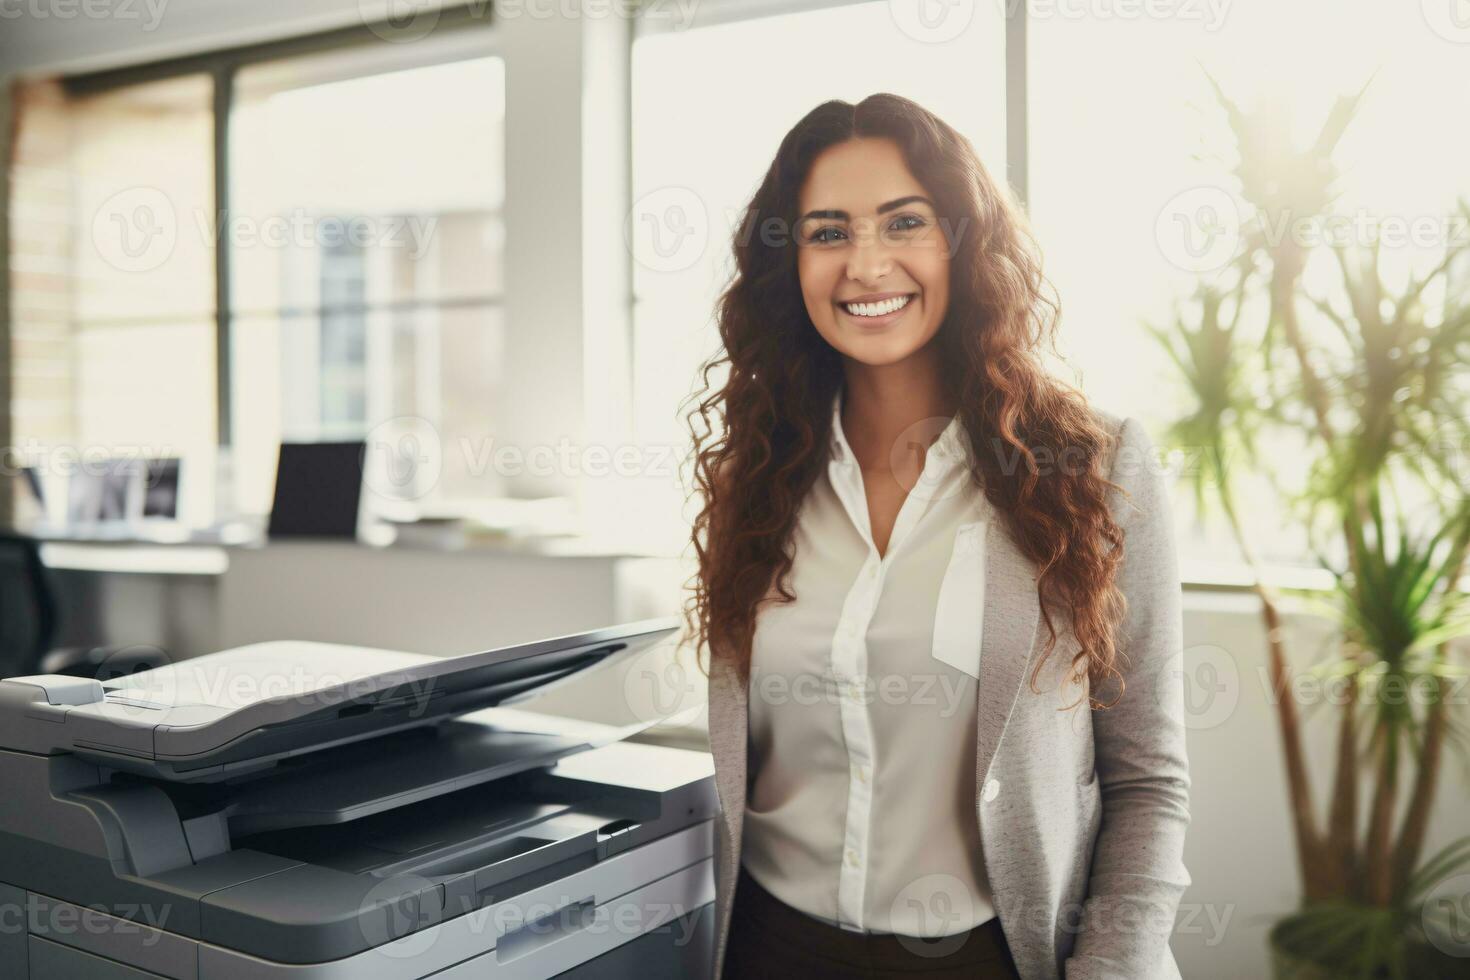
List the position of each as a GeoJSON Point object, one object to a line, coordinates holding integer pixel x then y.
{"type": "Point", "coordinates": [486, 244]}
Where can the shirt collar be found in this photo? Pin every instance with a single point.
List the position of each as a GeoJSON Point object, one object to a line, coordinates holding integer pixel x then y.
{"type": "Point", "coordinates": [951, 446]}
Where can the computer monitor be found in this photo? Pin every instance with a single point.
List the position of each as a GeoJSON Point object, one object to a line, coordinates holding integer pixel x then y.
{"type": "Point", "coordinates": [318, 490]}
{"type": "Point", "coordinates": [161, 489]}
{"type": "Point", "coordinates": [98, 491]}
{"type": "Point", "coordinates": [31, 477]}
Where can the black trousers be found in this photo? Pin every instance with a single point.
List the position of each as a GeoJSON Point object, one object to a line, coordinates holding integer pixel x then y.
{"type": "Point", "coordinates": [771, 939]}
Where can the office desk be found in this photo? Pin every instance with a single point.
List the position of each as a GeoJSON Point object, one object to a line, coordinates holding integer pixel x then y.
{"type": "Point", "coordinates": [432, 601]}
{"type": "Point", "coordinates": [193, 599]}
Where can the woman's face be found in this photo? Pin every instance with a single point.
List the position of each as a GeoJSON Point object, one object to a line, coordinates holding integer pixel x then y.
{"type": "Point", "coordinates": [868, 234]}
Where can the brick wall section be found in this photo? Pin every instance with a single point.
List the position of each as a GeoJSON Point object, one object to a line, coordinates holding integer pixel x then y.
{"type": "Point", "coordinates": [7, 505]}
{"type": "Point", "coordinates": [39, 262]}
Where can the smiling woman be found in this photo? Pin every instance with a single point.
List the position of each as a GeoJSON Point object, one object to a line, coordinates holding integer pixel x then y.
{"type": "Point", "coordinates": [903, 497]}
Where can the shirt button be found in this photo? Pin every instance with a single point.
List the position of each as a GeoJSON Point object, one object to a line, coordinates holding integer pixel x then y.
{"type": "Point", "coordinates": [992, 789]}
{"type": "Point", "coordinates": [872, 571]}
{"type": "Point", "coordinates": [862, 773]}
{"type": "Point", "coordinates": [852, 859]}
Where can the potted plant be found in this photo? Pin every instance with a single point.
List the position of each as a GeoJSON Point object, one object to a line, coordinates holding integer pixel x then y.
{"type": "Point", "coordinates": [1368, 384]}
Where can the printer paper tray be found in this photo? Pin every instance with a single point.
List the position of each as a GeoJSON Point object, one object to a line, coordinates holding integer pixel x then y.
{"type": "Point", "coordinates": [362, 779]}
{"type": "Point", "coordinates": [359, 779]}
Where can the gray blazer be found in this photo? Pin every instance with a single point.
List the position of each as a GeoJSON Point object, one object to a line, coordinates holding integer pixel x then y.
{"type": "Point", "coordinates": [1082, 813]}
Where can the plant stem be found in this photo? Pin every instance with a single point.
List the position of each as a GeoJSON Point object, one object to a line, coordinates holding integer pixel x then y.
{"type": "Point", "coordinates": [1426, 779]}
{"type": "Point", "coordinates": [1299, 787]}
{"type": "Point", "coordinates": [1343, 821]}
{"type": "Point", "coordinates": [1378, 846]}
{"type": "Point", "coordinates": [1421, 798]}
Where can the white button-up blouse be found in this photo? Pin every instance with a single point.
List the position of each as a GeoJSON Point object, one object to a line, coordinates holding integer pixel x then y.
{"type": "Point", "coordinates": [861, 810]}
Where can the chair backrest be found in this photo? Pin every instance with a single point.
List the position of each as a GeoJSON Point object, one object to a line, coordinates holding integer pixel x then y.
{"type": "Point", "coordinates": [27, 607]}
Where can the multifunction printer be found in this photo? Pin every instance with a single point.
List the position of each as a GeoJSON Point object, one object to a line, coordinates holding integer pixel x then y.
{"type": "Point", "coordinates": [326, 812]}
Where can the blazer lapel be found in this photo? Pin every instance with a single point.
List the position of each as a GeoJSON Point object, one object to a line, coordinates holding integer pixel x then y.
{"type": "Point", "coordinates": [1008, 638]}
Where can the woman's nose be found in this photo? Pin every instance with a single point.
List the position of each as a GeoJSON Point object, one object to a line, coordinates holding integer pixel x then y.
{"type": "Point", "coordinates": [870, 258]}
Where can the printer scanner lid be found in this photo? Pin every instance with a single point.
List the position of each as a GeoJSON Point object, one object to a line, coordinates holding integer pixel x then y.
{"type": "Point", "coordinates": [213, 716]}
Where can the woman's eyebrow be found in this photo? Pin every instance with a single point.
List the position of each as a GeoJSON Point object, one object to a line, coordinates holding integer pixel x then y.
{"type": "Point", "coordinates": [882, 208]}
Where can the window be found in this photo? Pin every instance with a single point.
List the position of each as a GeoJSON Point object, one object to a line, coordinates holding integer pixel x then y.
{"type": "Point", "coordinates": [1108, 157]}
{"type": "Point", "coordinates": [1120, 120]}
{"type": "Point", "coordinates": [367, 262]}
{"type": "Point", "coordinates": [360, 238]}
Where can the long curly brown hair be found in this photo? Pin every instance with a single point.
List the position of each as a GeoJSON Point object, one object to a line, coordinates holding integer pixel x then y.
{"type": "Point", "coordinates": [775, 404]}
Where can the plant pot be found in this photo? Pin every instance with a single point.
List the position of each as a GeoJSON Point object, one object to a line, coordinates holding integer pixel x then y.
{"type": "Point", "coordinates": [1423, 961]}
{"type": "Point", "coordinates": [1291, 964]}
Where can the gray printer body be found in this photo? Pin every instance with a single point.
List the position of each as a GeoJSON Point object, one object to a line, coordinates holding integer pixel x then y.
{"type": "Point", "coordinates": [314, 811]}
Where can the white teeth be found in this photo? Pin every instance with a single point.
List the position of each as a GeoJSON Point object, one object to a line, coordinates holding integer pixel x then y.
{"type": "Point", "coordinates": [880, 308]}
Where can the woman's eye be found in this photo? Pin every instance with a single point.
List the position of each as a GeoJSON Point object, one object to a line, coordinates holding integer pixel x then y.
{"type": "Point", "coordinates": [829, 234]}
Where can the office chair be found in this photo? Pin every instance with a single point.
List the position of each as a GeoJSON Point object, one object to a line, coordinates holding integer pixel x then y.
{"type": "Point", "coordinates": [28, 622]}
{"type": "Point", "coordinates": [27, 611]}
